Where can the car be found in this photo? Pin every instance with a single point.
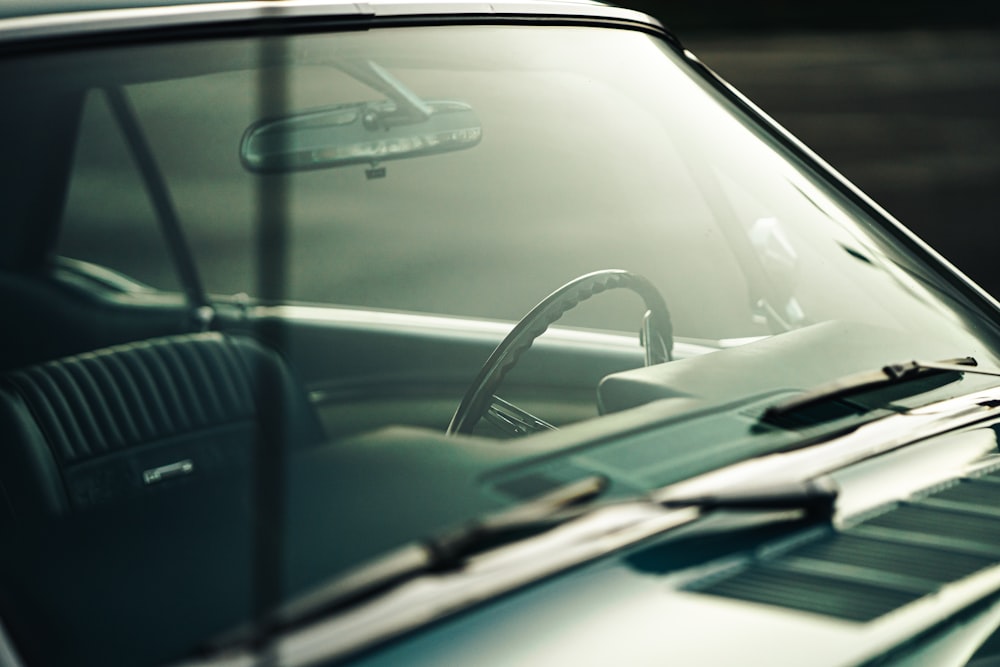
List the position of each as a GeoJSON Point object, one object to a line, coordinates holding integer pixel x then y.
{"type": "Point", "coordinates": [452, 332]}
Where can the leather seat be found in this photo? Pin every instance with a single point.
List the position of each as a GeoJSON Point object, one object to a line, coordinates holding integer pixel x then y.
{"type": "Point", "coordinates": [125, 421]}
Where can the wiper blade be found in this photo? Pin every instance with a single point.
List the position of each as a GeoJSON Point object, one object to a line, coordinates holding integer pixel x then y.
{"type": "Point", "coordinates": [440, 553]}
{"type": "Point", "coordinates": [814, 497]}
{"type": "Point", "coordinates": [450, 550]}
{"type": "Point", "coordinates": [867, 380]}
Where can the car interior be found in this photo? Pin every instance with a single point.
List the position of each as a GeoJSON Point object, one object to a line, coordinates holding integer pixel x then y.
{"type": "Point", "coordinates": [133, 420]}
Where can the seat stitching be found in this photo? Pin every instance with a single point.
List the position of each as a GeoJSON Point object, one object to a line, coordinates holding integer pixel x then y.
{"type": "Point", "coordinates": [149, 394]}
{"type": "Point", "coordinates": [101, 366]}
{"type": "Point", "coordinates": [99, 411]}
{"type": "Point", "coordinates": [188, 391]}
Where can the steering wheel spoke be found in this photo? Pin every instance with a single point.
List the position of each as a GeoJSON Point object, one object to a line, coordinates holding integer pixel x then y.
{"type": "Point", "coordinates": [479, 399]}
{"type": "Point", "coordinates": [513, 420]}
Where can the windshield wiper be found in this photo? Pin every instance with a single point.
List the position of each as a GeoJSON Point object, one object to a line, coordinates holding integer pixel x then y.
{"type": "Point", "coordinates": [450, 550]}
{"type": "Point", "coordinates": [868, 380]}
{"type": "Point", "coordinates": [440, 553]}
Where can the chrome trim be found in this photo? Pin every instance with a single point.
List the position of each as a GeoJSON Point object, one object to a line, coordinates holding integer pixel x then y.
{"type": "Point", "coordinates": [8, 654]}
{"type": "Point", "coordinates": [91, 22]}
{"type": "Point", "coordinates": [513, 420]}
{"type": "Point", "coordinates": [156, 475]}
{"type": "Point", "coordinates": [837, 179]}
{"type": "Point", "coordinates": [446, 326]}
{"type": "Point", "coordinates": [647, 338]}
{"type": "Point", "coordinates": [106, 20]}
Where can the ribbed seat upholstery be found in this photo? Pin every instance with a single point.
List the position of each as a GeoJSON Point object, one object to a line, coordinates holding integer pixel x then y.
{"type": "Point", "coordinates": [111, 424]}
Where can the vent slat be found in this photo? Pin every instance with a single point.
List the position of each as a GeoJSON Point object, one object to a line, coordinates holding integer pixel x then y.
{"type": "Point", "coordinates": [973, 492]}
{"type": "Point", "coordinates": [880, 564]}
{"type": "Point", "coordinates": [941, 523]}
{"type": "Point", "coordinates": [993, 477]}
{"type": "Point", "coordinates": [909, 560]}
{"type": "Point", "coordinates": [773, 585]}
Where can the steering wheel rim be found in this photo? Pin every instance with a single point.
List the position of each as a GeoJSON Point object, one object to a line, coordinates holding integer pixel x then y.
{"type": "Point", "coordinates": [503, 358]}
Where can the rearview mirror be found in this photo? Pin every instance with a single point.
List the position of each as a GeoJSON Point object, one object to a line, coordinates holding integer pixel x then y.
{"type": "Point", "coordinates": [357, 133]}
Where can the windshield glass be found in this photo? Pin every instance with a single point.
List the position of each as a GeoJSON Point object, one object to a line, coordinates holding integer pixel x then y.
{"type": "Point", "coordinates": [280, 264]}
{"type": "Point", "coordinates": [589, 158]}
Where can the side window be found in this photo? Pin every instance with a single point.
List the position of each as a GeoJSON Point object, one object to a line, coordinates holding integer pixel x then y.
{"type": "Point", "coordinates": [108, 219]}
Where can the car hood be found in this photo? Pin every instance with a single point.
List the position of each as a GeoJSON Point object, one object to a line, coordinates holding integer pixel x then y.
{"type": "Point", "coordinates": [906, 569]}
{"type": "Point", "coordinates": [861, 588]}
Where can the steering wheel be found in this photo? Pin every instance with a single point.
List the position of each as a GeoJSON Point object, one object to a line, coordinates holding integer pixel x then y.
{"type": "Point", "coordinates": [657, 337]}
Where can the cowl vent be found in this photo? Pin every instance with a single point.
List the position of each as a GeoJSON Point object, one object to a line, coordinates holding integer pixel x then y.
{"type": "Point", "coordinates": [880, 564]}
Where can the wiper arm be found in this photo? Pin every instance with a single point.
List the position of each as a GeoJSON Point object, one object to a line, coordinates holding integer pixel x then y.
{"type": "Point", "coordinates": [449, 551]}
{"type": "Point", "coordinates": [866, 380]}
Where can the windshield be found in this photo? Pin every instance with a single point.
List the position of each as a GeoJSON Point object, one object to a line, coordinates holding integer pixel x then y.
{"type": "Point", "coordinates": [295, 255]}
{"type": "Point", "coordinates": [590, 158]}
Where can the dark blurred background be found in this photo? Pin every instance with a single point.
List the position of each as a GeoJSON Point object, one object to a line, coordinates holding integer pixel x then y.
{"type": "Point", "coordinates": [902, 98]}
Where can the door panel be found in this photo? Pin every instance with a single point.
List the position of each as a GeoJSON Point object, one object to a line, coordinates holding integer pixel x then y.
{"type": "Point", "coordinates": [366, 369]}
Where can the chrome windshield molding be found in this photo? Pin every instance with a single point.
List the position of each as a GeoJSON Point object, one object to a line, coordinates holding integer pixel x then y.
{"type": "Point", "coordinates": [8, 655]}
{"type": "Point", "coordinates": [554, 8]}
{"type": "Point", "coordinates": [841, 182]}
{"type": "Point", "coordinates": [93, 22]}
{"type": "Point", "coordinates": [433, 597]}
{"type": "Point", "coordinates": [47, 26]}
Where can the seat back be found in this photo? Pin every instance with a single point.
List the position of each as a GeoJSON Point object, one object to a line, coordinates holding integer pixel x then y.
{"type": "Point", "coordinates": [128, 420]}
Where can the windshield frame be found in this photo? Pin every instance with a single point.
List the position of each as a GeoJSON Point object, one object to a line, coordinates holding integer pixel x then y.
{"type": "Point", "coordinates": [645, 421]}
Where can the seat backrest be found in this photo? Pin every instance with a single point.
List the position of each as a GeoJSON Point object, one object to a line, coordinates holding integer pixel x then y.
{"type": "Point", "coordinates": [114, 424]}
